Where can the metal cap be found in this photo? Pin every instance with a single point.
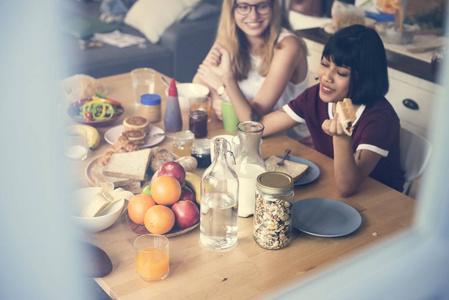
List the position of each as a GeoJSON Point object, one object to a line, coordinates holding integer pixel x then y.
{"type": "Point", "coordinates": [274, 183]}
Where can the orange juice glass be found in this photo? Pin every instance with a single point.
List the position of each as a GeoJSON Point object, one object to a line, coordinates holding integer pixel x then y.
{"type": "Point", "coordinates": [152, 257]}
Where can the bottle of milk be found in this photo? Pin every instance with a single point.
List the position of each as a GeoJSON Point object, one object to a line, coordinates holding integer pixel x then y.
{"type": "Point", "coordinates": [249, 164]}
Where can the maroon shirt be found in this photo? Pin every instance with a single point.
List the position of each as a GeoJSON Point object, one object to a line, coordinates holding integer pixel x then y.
{"type": "Point", "coordinates": [376, 129]}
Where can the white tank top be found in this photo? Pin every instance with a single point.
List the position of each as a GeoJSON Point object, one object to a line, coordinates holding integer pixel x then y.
{"type": "Point", "coordinates": [252, 84]}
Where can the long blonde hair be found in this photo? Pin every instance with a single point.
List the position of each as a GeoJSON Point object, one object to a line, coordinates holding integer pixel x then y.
{"type": "Point", "coordinates": [235, 41]}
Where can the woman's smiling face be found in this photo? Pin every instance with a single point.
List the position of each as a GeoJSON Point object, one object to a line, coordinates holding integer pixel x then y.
{"type": "Point", "coordinates": [334, 81]}
{"type": "Point", "coordinates": [253, 24]}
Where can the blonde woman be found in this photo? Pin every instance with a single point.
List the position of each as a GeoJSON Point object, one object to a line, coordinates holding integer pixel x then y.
{"type": "Point", "coordinates": [268, 60]}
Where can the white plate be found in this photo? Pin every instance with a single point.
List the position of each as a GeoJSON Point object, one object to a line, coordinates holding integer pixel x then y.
{"type": "Point", "coordinates": [112, 134]}
{"type": "Point", "coordinates": [312, 173]}
{"type": "Point", "coordinates": [325, 217]}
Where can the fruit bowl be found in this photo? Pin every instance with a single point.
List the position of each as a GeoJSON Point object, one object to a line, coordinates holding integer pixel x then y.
{"type": "Point", "coordinates": [75, 111]}
{"type": "Point", "coordinates": [80, 198]}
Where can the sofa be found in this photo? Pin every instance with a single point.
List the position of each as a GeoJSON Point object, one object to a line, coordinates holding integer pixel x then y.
{"type": "Point", "coordinates": [177, 53]}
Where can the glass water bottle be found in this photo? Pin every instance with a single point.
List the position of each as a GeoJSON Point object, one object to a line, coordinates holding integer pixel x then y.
{"type": "Point", "coordinates": [219, 201]}
{"type": "Point", "coordinates": [249, 164]}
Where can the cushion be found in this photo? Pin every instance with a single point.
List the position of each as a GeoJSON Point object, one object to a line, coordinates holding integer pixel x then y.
{"type": "Point", "coordinates": [153, 17]}
{"type": "Point", "coordinates": [202, 10]}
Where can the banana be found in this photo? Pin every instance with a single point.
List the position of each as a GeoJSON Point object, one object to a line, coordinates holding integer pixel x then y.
{"type": "Point", "coordinates": [93, 136]}
{"type": "Point", "coordinates": [193, 181]}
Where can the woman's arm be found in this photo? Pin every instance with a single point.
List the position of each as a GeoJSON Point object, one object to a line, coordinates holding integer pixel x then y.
{"type": "Point", "coordinates": [350, 170]}
{"type": "Point", "coordinates": [208, 78]}
{"type": "Point", "coordinates": [289, 64]}
{"type": "Point", "coordinates": [283, 66]}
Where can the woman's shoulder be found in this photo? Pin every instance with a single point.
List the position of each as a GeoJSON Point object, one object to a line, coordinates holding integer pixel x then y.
{"type": "Point", "coordinates": [286, 33]}
{"type": "Point", "coordinates": [288, 40]}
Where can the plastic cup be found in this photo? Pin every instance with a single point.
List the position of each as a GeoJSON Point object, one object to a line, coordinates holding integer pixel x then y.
{"type": "Point", "coordinates": [230, 119]}
{"type": "Point", "coordinates": [142, 82]}
{"type": "Point", "coordinates": [152, 257]}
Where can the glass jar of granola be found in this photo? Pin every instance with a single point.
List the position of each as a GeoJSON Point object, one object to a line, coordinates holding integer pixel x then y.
{"type": "Point", "coordinates": [273, 210]}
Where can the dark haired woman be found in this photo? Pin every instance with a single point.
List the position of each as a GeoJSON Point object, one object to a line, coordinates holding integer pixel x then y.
{"type": "Point", "coordinates": [353, 65]}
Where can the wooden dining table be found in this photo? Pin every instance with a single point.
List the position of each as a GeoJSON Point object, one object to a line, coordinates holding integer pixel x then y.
{"type": "Point", "coordinates": [247, 271]}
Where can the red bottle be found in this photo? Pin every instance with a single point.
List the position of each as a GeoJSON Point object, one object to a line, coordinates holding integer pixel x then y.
{"type": "Point", "coordinates": [172, 117]}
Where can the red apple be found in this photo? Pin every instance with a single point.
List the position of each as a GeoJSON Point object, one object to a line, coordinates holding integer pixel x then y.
{"type": "Point", "coordinates": [187, 194]}
{"type": "Point", "coordinates": [173, 169]}
{"type": "Point", "coordinates": [186, 213]}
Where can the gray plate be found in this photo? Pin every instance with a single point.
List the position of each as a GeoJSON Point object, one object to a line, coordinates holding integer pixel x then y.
{"type": "Point", "coordinates": [325, 217]}
{"type": "Point", "coordinates": [312, 173]}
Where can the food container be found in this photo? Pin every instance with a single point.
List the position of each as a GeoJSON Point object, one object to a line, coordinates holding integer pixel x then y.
{"type": "Point", "coordinates": [273, 210]}
{"type": "Point", "coordinates": [389, 35]}
{"type": "Point", "coordinates": [201, 151]}
{"type": "Point", "coordinates": [183, 142]}
{"type": "Point", "coordinates": [346, 14]}
{"type": "Point", "coordinates": [150, 107]}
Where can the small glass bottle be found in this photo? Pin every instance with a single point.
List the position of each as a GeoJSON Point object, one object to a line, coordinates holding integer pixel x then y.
{"type": "Point", "coordinates": [150, 107]}
{"type": "Point", "coordinates": [273, 210]}
{"type": "Point", "coordinates": [249, 164]}
{"type": "Point", "coordinates": [219, 201]}
{"type": "Point", "coordinates": [182, 144]}
{"type": "Point", "coordinates": [201, 151]}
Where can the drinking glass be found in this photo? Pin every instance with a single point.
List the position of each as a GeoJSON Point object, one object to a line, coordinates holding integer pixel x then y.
{"type": "Point", "coordinates": [75, 143]}
{"type": "Point", "coordinates": [143, 83]}
{"type": "Point", "coordinates": [152, 257]}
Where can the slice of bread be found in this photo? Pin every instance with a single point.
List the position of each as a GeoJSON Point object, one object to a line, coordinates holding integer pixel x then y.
{"type": "Point", "coordinates": [132, 165]}
{"type": "Point", "coordinates": [294, 169]}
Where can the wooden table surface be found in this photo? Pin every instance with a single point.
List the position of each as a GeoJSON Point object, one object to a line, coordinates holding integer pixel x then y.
{"type": "Point", "coordinates": [246, 271]}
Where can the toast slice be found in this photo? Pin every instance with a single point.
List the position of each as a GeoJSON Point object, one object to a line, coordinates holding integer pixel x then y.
{"type": "Point", "coordinates": [294, 169]}
{"type": "Point", "coordinates": [131, 165]}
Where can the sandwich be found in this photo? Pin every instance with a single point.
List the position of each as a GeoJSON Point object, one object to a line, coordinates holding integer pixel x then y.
{"type": "Point", "coordinates": [346, 115]}
{"type": "Point", "coordinates": [294, 169]}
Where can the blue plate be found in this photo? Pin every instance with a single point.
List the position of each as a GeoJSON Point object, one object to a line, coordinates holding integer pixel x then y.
{"type": "Point", "coordinates": [325, 217]}
{"type": "Point", "coordinates": [312, 173]}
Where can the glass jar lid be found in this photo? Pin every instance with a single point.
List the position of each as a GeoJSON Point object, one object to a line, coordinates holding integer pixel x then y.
{"type": "Point", "coordinates": [274, 183]}
{"type": "Point", "coordinates": [201, 146]}
{"type": "Point", "coordinates": [184, 136]}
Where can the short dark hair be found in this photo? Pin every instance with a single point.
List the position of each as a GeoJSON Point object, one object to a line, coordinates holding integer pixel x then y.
{"type": "Point", "coordinates": [360, 49]}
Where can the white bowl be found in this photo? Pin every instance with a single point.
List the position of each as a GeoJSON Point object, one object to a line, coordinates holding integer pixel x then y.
{"type": "Point", "coordinates": [80, 198]}
{"type": "Point", "coordinates": [187, 90]}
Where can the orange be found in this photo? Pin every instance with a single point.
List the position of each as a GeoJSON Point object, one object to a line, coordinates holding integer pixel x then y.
{"type": "Point", "coordinates": [165, 190]}
{"type": "Point", "coordinates": [138, 206]}
{"type": "Point", "coordinates": [159, 219]}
